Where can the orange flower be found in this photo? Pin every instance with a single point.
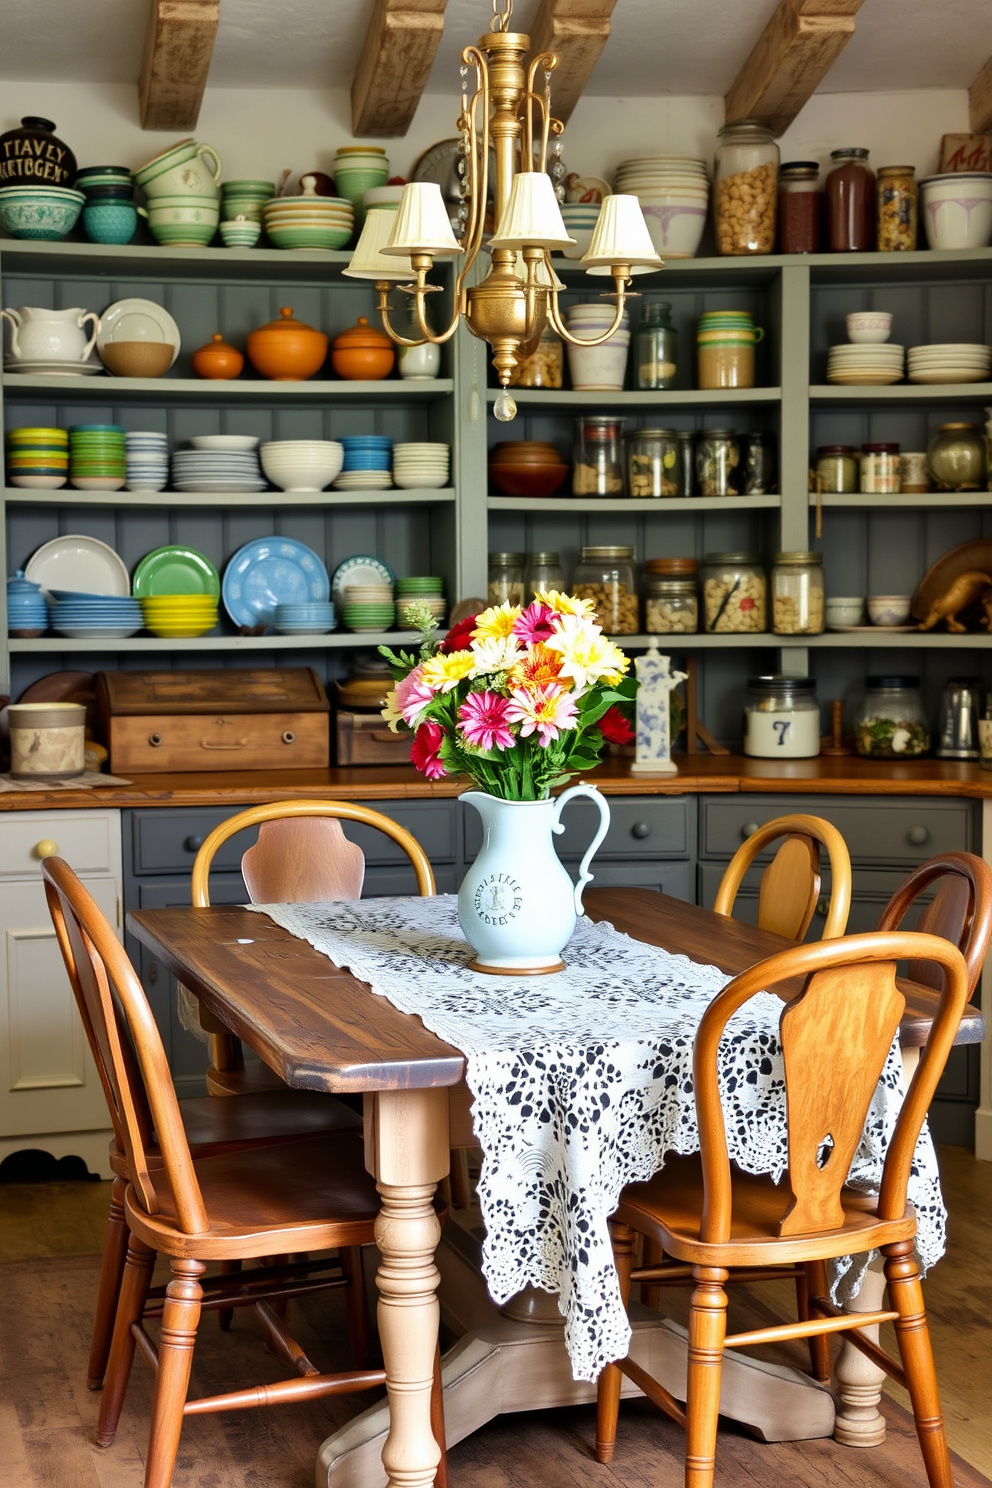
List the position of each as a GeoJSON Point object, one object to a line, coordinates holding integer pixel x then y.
{"type": "Point", "coordinates": [538, 667]}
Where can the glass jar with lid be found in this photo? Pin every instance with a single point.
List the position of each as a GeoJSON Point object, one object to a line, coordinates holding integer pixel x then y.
{"type": "Point", "coordinates": [880, 470]}
{"type": "Point", "coordinates": [735, 594]}
{"type": "Point", "coordinates": [687, 461]}
{"type": "Point", "coordinates": [891, 722]}
{"type": "Point", "coordinates": [671, 603]}
{"type": "Point", "coordinates": [542, 571]}
{"type": "Point", "coordinates": [545, 367]}
{"type": "Point", "coordinates": [506, 578]}
{"type": "Point", "coordinates": [850, 202]}
{"type": "Point", "coordinates": [745, 188]}
{"type": "Point", "coordinates": [799, 207]}
{"type": "Point", "coordinates": [656, 344]}
{"type": "Point", "coordinates": [605, 575]}
{"type": "Point", "coordinates": [837, 468]}
{"type": "Point", "coordinates": [717, 458]}
{"type": "Point", "coordinates": [597, 456]}
{"type": "Point", "coordinates": [896, 207]}
{"type": "Point", "coordinates": [781, 718]}
{"type": "Point", "coordinates": [798, 598]}
{"type": "Point", "coordinates": [757, 470]}
{"type": "Point", "coordinates": [653, 463]}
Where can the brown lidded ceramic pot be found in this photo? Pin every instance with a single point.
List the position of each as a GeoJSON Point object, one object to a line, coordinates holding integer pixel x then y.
{"type": "Point", "coordinates": [33, 156]}
{"type": "Point", "coordinates": [363, 353]}
{"type": "Point", "coordinates": [286, 350]}
{"type": "Point", "coordinates": [218, 359]}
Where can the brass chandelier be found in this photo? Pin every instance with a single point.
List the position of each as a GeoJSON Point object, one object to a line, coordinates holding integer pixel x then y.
{"type": "Point", "coordinates": [519, 295]}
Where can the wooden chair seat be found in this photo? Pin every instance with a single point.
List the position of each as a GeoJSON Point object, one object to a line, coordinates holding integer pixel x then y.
{"type": "Point", "coordinates": [668, 1207]}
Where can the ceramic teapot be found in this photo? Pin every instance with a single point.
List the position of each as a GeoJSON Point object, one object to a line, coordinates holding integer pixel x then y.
{"type": "Point", "coordinates": [50, 335]}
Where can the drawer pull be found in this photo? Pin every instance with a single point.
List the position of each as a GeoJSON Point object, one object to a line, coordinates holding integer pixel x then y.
{"type": "Point", "coordinates": [155, 740]}
{"type": "Point", "coordinates": [234, 744]}
{"type": "Point", "coordinates": [46, 848]}
{"type": "Point", "coordinates": [640, 830]}
{"type": "Point", "coordinates": [289, 737]}
{"type": "Point", "coordinates": [193, 844]}
{"type": "Point", "coordinates": [749, 829]}
{"type": "Point", "coordinates": [918, 835]}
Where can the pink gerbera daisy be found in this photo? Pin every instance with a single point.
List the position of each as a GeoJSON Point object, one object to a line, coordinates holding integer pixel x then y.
{"type": "Point", "coordinates": [412, 696]}
{"type": "Point", "coordinates": [484, 721]}
{"type": "Point", "coordinates": [425, 751]}
{"type": "Point", "coordinates": [535, 625]}
{"type": "Point", "coordinates": [542, 710]}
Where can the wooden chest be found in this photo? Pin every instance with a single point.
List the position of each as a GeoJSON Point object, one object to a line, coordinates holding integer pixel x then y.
{"type": "Point", "coordinates": [251, 719]}
{"type": "Point", "coordinates": [364, 739]}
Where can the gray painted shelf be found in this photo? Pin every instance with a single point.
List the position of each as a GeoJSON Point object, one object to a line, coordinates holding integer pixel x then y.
{"type": "Point", "coordinates": [68, 496]}
{"type": "Point", "coordinates": [159, 390]}
{"type": "Point", "coordinates": [578, 505]}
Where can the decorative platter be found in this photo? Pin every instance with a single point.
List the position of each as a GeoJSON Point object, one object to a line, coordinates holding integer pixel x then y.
{"type": "Point", "coordinates": [271, 571]}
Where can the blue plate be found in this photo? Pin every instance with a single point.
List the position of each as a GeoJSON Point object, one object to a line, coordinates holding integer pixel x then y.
{"type": "Point", "coordinates": [271, 571]}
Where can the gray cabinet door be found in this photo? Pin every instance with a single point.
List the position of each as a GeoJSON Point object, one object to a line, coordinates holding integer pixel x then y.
{"type": "Point", "coordinates": [901, 830]}
{"type": "Point", "coordinates": [641, 827]}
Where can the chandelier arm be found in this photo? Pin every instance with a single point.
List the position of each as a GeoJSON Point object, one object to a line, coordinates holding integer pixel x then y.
{"type": "Point", "coordinates": [478, 169]}
{"type": "Point", "coordinates": [620, 280]}
{"type": "Point", "coordinates": [549, 61]}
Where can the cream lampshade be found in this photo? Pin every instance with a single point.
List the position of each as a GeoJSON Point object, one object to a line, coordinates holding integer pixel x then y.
{"type": "Point", "coordinates": [532, 217]}
{"type": "Point", "coordinates": [367, 261]}
{"type": "Point", "coordinates": [621, 236]}
{"type": "Point", "coordinates": [420, 224]}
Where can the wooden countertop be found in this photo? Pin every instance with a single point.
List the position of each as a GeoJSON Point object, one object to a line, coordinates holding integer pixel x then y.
{"type": "Point", "coordinates": [697, 775]}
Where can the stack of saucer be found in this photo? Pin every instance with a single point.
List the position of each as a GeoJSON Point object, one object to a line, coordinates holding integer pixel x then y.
{"type": "Point", "coordinates": [428, 591]}
{"type": "Point", "coordinates": [421, 466]}
{"type": "Point", "coordinates": [674, 193]}
{"type": "Point", "coordinates": [869, 365]}
{"type": "Point", "coordinates": [369, 607]}
{"type": "Point", "coordinates": [87, 617]}
{"type": "Point", "coordinates": [147, 461]}
{"type": "Point", "coordinates": [314, 618]}
{"type": "Point", "coordinates": [97, 458]}
{"type": "Point", "coordinates": [37, 458]}
{"type": "Point", "coordinates": [175, 615]}
{"type": "Point", "coordinates": [950, 362]}
{"type": "Point", "coordinates": [367, 461]}
{"type": "Point", "coordinates": [217, 470]}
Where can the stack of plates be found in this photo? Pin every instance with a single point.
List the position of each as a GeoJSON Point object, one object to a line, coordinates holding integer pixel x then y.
{"type": "Point", "coordinates": [950, 362]}
{"type": "Point", "coordinates": [178, 589]}
{"type": "Point", "coordinates": [428, 591]}
{"type": "Point", "coordinates": [369, 607]}
{"type": "Point", "coordinates": [421, 466]}
{"type": "Point", "coordinates": [367, 460]}
{"type": "Point", "coordinates": [309, 220]}
{"type": "Point", "coordinates": [674, 194]}
{"type": "Point", "coordinates": [94, 616]}
{"type": "Point", "coordinates": [313, 618]}
{"type": "Point", "coordinates": [97, 459]}
{"type": "Point", "coordinates": [147, 461]}
{"type": "Point", "coordinates": [217, 470]}
{"type": "Point", "coordinates": [874, 365]}
{"type": "Point", "coordinates": [180, 614]}
{"type": "Point", "coordinates": [37, 458]}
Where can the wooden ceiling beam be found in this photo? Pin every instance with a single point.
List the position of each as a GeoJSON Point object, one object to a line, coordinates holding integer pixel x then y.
{"type": "Point", "coordinates": [980, 101]}
{"type": "Point", "coordinates": [178, 48]}
{"type": "Point", "coordinates": [392, 71]}
{"type": "Point", "coordinates": [792, 56]}
{"type": "Point", "coordinates": [577, 31]}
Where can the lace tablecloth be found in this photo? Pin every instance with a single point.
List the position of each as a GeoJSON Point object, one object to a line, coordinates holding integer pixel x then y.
{"type": "Point", "coordinates": [583, 1083]}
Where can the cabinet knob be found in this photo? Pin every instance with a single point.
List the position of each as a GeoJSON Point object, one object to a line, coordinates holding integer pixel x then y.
{"type": "Point", "coordinates": [749, 829]}
{"type": "Point", "coordinates": [918, 835]}
{"type": "Point", "coordinates": [155, 740]}
{"type": "Point", "coordinates": [193, 844]}
{"type": "Point", "coordinates": [289, 737]}
{"type": "Point", "coordinates": [641, 830]}
{"type": "Point", "coordinates": [46, 848]}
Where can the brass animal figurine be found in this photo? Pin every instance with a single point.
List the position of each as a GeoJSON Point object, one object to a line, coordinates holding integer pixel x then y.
{"type": "Point", "coordinates": [967, 589]}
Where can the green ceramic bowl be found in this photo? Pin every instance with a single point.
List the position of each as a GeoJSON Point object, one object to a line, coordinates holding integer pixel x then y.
{"type": "Point", "coordinates": [240, 234]}
{"type": "Point", "coordinates": [44, 212]}
{"type": "Point", "coordinates": [307, 237]}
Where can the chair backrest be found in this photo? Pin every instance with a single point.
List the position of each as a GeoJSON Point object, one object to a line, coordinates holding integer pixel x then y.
{"type": "Point", "coordinates": [960, 911]}
{"type": "Point", "coordinates": [129, 1051]}
{"type": "Point", "coordinates": [790, 885]}
{"type": "Point", "coordinates": [835, 1037]}
{"type": "Point", "coordinates": [302, 855]}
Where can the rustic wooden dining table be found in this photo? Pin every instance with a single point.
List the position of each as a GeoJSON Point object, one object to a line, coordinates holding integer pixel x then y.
{"type": "Point", "coordinates": [321, 1029]}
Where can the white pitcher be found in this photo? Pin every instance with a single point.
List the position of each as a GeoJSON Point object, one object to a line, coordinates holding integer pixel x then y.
{"type": "Point", "coordinates": [50, 335]}
{"type": "Point", "coordinates": [517, 906]}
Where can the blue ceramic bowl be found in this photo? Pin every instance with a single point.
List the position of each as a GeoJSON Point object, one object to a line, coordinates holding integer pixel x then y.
{"type": "Point", "coordinates": [110, 221]}
{"type": "Point", "coordinates": [48, 212]}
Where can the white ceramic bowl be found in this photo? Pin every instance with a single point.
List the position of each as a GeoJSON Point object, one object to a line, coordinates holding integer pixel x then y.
{"type": "Point", "coordinates": [845, 611]}
{"type": "Point", "coordinates": [957, 210]}
{"type": "Point", "coordinates": [869, 327]}
{"type": "Point", "coordinates": [889, 609]}
{"type": "Point", "coordinates": [676, 226]}
{"type": "Point", "coordinates": [310, 468]}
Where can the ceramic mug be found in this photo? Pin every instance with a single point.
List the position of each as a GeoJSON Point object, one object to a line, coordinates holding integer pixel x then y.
{"type": "Point", "coordinates": [187, 177]}
{"type": "Point", "coordinates": [46, 335]}
{"type": "Point", "coordinates": [179, 155]}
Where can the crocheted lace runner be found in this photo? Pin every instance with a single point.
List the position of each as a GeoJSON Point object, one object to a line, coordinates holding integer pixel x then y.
{"type": "Point", "coordinates": [582, 1084]}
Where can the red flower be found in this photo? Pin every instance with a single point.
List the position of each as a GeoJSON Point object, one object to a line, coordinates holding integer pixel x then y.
{"type": "Point", "coordinates": [425, 751]}
{"type": "Point", "coordinates": [459, 635]}
{"type": "Point", "coordinates": [614, 727]}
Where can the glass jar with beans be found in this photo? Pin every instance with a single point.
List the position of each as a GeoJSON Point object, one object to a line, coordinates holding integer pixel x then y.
{"type": "Point", "coordinates": [605, 575]}
{"type": "Point", "coordinates": [746, 187]}
{"type": "Point", "coordinates": [671, 603]}
{"type": "Point", "coordinates": [506, 578]}
{"type": "Point", "coordinates": [735, 594]}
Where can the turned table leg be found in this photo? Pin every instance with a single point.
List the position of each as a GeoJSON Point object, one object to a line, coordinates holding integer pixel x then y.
{"type": "Point", "coordinates": [406, 1145]}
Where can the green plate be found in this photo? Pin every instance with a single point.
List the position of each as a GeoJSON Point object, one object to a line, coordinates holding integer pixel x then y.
{"type": "Point", "coordinates": [175, 570]}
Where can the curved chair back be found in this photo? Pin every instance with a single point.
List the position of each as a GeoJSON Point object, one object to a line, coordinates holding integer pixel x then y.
{"type": "Point", "coordinates": [835, 1037]}
{"type": "Point", "coordinates": [790, 885]}
{"type": "Point", "coordinates": [961, 911]}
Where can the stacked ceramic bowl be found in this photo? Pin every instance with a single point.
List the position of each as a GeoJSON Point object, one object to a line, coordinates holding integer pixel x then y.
{"type": "Point", "coordinates": [367, 463]}
{"type": "Point", "coordinates": [37, 458]}
{"type": "Point", "coordinates": [674, 193]}
{"type": "Point", "coordinates": [302, 464]}
{"type": "Point", "coordinates": [240, 232]}
{"type": "Point", "coordinates": [245, 199]}
{"type": "Point", "coordinates": [221, 471]}
{"type": "Point", "coordinates": [382, 198]}
{"type": "Point", "coordinates": [315, 618]}
{"type": "Point", "coordinates": [873, 364]}
{"type": "Point", "coordinates": [91, 617]}
{"type": "Point", "coordinates": [369, 607]}
{"type": "Point", "coordinates": [526, 467]}
{"type": "Point", "coordinates": [421, 466]}
{"type": "Point", "coordinates": [357, 169]}
{"type": "Point", "coordinates": [580, 220]}
{"type": "Point", "coordinates": [950, 362]}
{"type": "Point", "coordinates": [109, 215]}
{"type": "Point", "coordinates": [47, 212]}
{"type": "Point", "coordinates": [175, 615]}
{"type": "Point", "coordinates": [597, 368]}
{"type": "Point", "coordinates": [97, 457]}
{"type": "Point", "coordinates": [147, 461]}
{"type": "Point", "coordinates": [427, 591]}
{"type": "Point", "coordinates": [309, 221]}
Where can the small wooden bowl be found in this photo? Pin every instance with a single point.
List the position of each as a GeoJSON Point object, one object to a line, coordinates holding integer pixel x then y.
{"type": "Point", "coordinates": [137, 358]}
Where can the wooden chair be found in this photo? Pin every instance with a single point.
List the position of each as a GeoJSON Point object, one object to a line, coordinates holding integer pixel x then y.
{"type": "Point", "coordinates": [960, 911]}
{"type": "Point", "coordinates": [304, 1196]}
{"type": "Point", "coordinates": [790, 885]}
{"type": "Point", "coordinates": [709, 1218]}
{"type": "Point", "coordinates": [302, 856]}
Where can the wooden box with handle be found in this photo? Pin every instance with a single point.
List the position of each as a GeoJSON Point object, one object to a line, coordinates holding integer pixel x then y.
{"type": "Point", "coordinates": [251, 719]}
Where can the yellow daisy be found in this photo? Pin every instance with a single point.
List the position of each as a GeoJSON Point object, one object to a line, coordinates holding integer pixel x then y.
{"type": "Point", "coordinates": [391, 713]}
{"type": "Point", "coordinates": [586, 655]}
{"type": "Point", "coordinates": [496, 622]}
{"type": "Point", "coordinates": [565, 604]}
{"type": "Point", "coordinates": [444, 672]}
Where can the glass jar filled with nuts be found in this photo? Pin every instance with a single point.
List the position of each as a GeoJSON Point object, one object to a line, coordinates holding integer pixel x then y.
{"type": "Point", "coordinates": [746, 188]}
{"type": "Point", "coordinates": [506, 578]}
{"type": "Point", "coordinates": [797, 594]}
{"type": "Point", "coordinates": [545, 367]}
{"type": "Point", "coordinates": [653, 463]}
{"type": "Point", "coordinates": [606, 577]}
{"type": "Point", "coordinates": [597, 456]}
{"type": "Point", "coordinates": [718, 457]}
{"type": "Point", "coordinates": [671, 604]}
{"type": "Point", "coordinates": [735, 594]}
